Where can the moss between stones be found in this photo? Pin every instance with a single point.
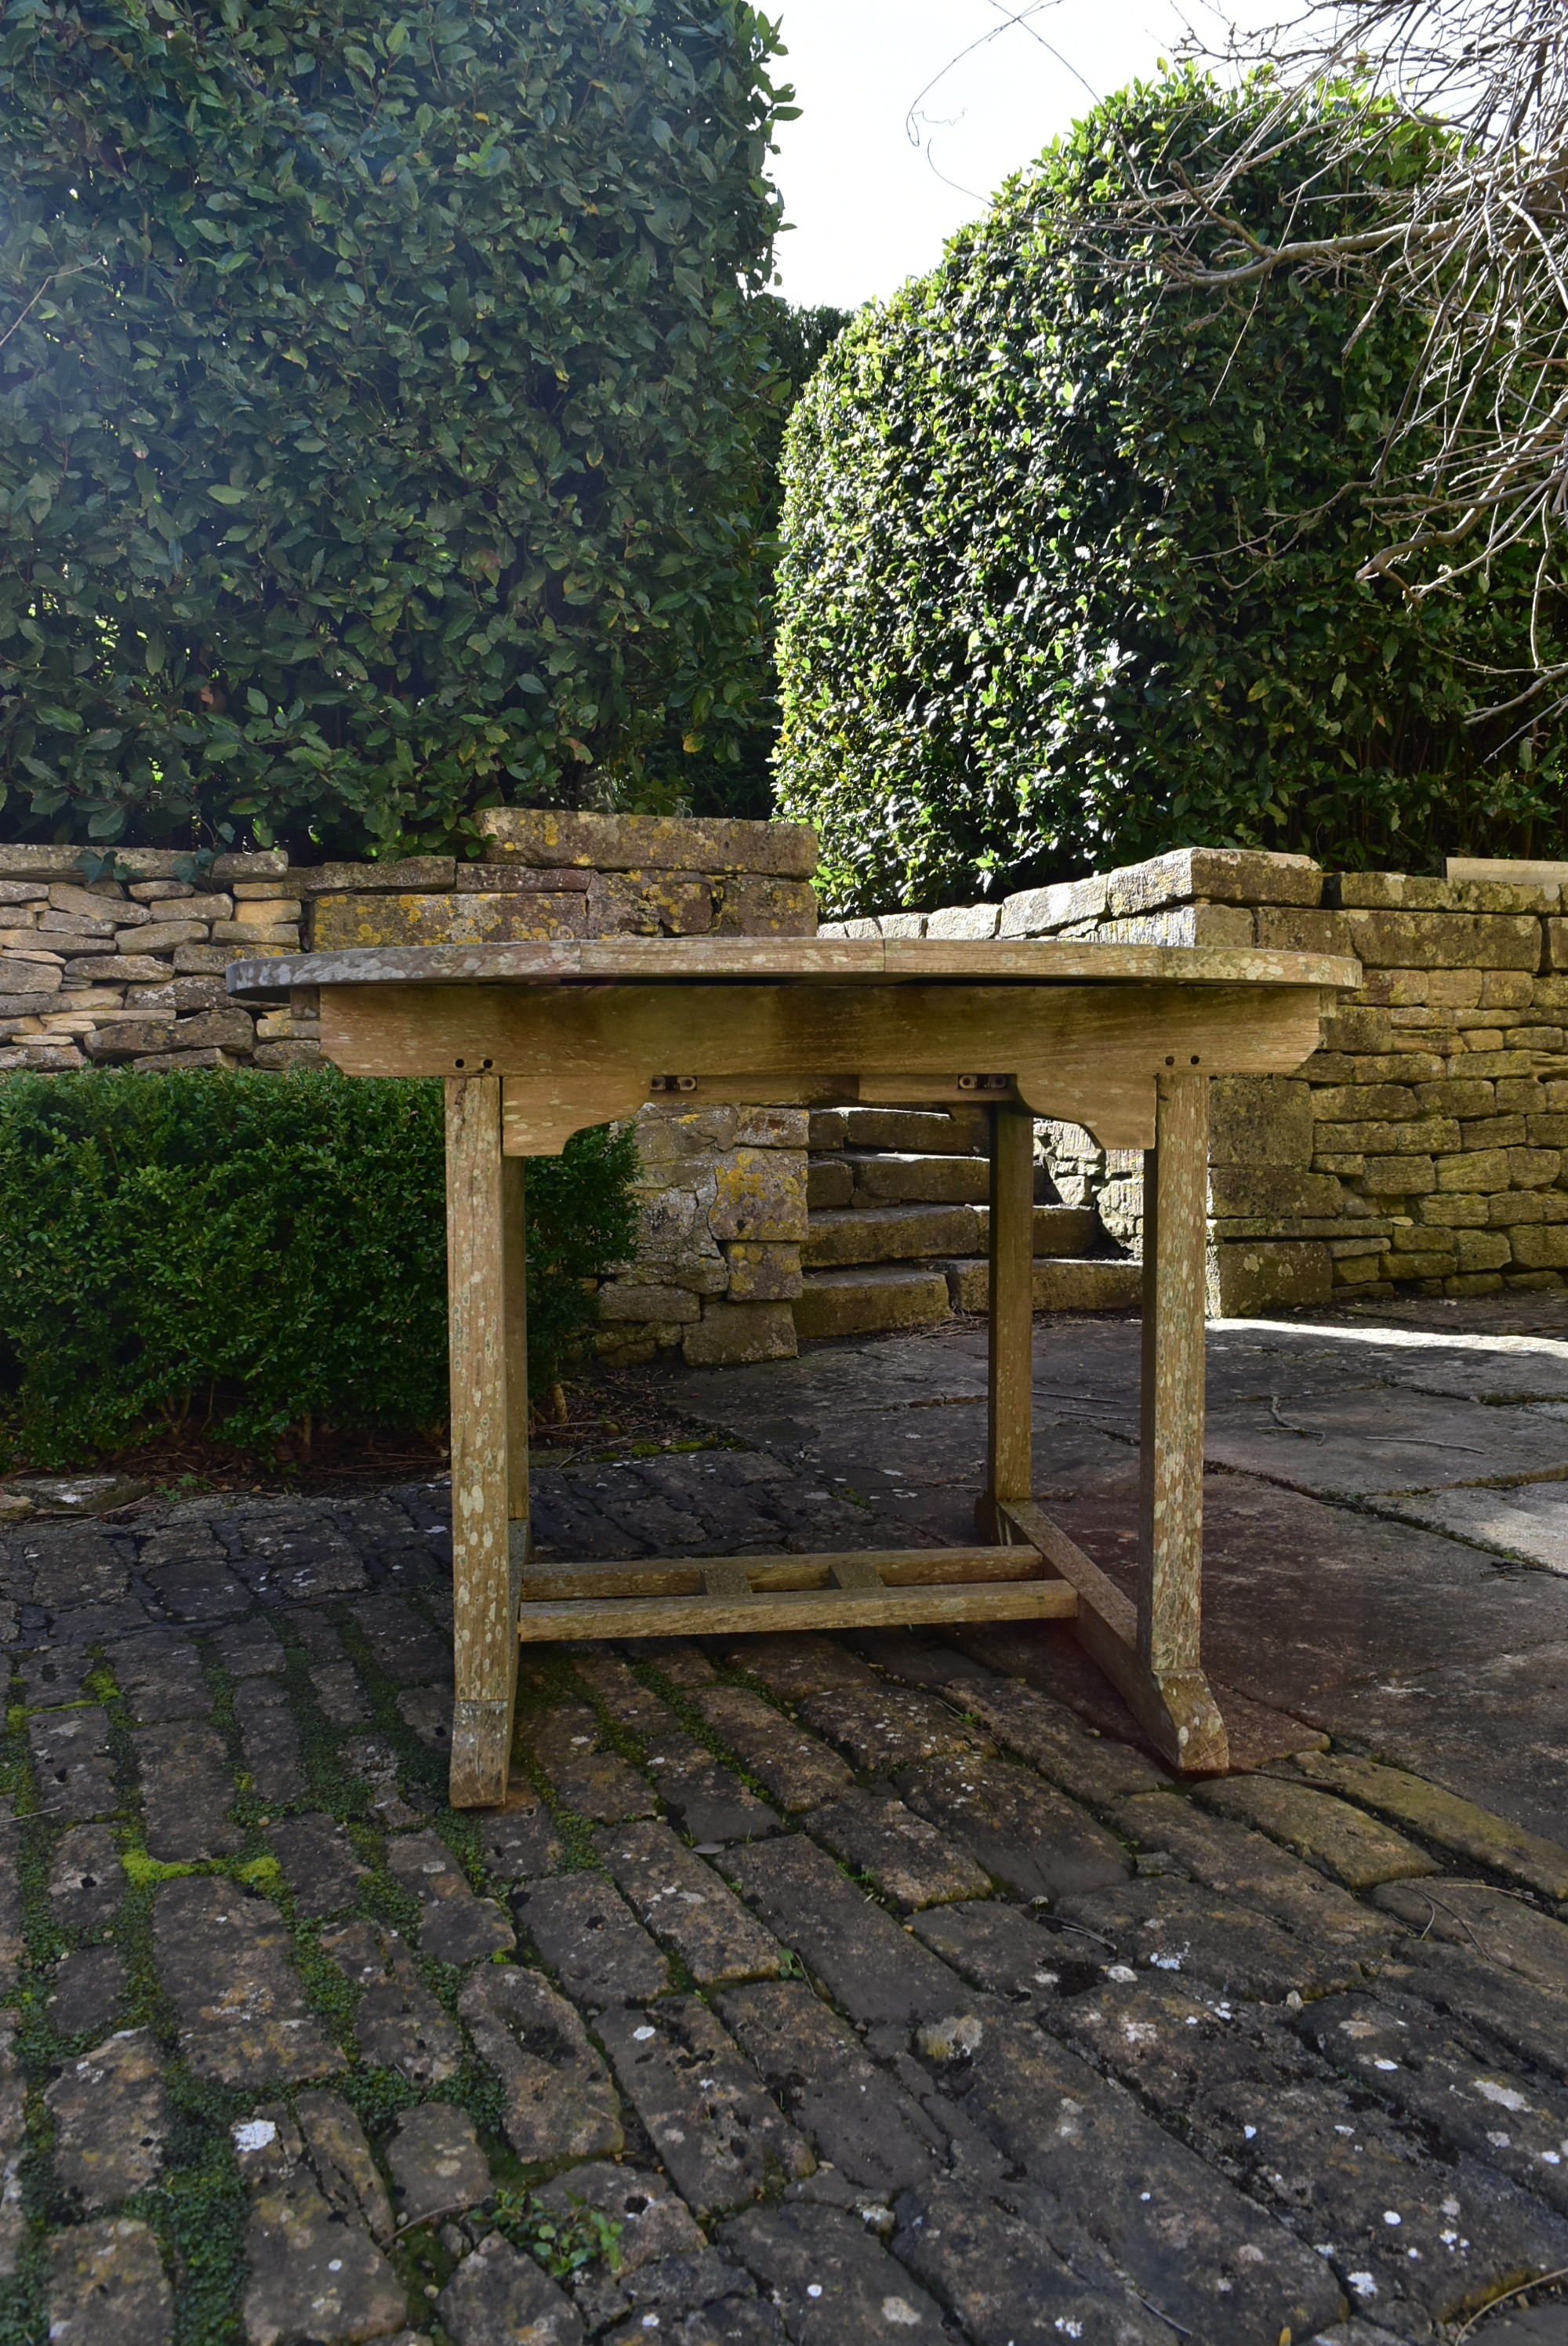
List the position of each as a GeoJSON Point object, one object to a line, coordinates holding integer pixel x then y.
{"type": "Point", "coordinates": [696, 1724]}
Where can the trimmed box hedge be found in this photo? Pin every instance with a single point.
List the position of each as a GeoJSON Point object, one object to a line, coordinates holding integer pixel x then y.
{"type": "Point", "coordinates": [241, 1251]}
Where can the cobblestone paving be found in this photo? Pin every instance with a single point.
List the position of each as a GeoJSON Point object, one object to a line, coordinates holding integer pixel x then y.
{"type": "Point", "coordinates": [809, 1992]}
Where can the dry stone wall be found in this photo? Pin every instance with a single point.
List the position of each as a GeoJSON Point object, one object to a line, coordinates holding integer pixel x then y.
{"type": "Point", "coordinates": [131, 968]}
{"type": "Point", "coordinates": [128, 970]}
{"type": "Point", "coordinates": [1424, 1147]}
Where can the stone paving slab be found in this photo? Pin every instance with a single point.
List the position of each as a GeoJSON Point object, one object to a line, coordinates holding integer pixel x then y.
{"type": "Point", "coordinates": [1348, 1445]}
{"type": "Point", "coordinates": [1196, 2248]}
{"type": "Point", "coordinates": [1489, 1728]}
{"type": "Point", "coordinates": [1307, 1603]}
{"type": "Point", "coordinates": [862, 2119]}
{"type": "Point", "coordinates": [684, 1902]}
{"type": "Point", "coordinates": [1329, 1833]}
{"type": "Point", "coordinates": [806, 1990]}
{"type": "Point", "coordinates": [720, 2135]}
{"type": "Point", "coordinates": [1528, 1521]}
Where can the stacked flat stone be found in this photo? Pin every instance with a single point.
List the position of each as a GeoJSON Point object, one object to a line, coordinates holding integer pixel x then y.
{"type": "Point", "coordinates": [721, 1199]}
{"type": "Point", "coordinates": [1424, 1147]}
{"type": "Point", "coordinates": [558, 874]}
{"type": "Point", "coordinates": [130, 969]}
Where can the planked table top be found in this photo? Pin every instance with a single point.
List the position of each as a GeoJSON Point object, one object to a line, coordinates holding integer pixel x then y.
{"type": "Point", "coordinates": [798, 961]}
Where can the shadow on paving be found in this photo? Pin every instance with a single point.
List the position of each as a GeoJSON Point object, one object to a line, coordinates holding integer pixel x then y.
{"type": "Point", "coordinates": [1331, 1594]}
{"type": "Point", "coordinates": [807, 1992]}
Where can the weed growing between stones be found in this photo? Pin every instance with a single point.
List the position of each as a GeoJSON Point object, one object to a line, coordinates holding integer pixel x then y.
{"type": "Point", "coordinates": [578, 1855]}
{"type": "Point", "coordinates": [615, 1738]}
{"type": "Point", "coordinates": [198, 2210]}
{"type": "Point", "coordinates": [23, 2321]}
{"type": "Point", "coordinates": [221, 1681]}
{"type": "Point", "coordinates": [329, 1785]}
{"type": "Point", "coordinates": [146, 2005]}
{"type": "Point", "coordinates": [331, 1996]}
{"type": "Point", "coordinates": [563, 2245]}
{"type": "Point", "coordinates": [680, 1701]}
{"type": "Point", "coordinates": [43, 2047]}
{"type": "Point", "coordinates": [378, 2097]}
{"type": "Point", "coordinates": [24, 2293]}
{"type": "Point", "coordinates": [415, 1761]}
{"type": "Point", "coordinates": [197, 2207]}
{"type": "Point", "coordinates": [545, 1676]}
{"type": "Point", "coordinates": [543, 1679]}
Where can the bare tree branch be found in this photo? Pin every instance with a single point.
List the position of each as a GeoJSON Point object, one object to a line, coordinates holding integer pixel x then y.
{"type": "Point", "coordinates": [1475, 245]}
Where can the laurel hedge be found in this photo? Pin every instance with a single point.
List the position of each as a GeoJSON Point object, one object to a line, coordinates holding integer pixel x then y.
{"type": "Point", "coordinates": [1070, 564]}
{"type": "Point", "coordinates": [384, 400]}
{"type": "Point", "coordinates": [235, 1252]}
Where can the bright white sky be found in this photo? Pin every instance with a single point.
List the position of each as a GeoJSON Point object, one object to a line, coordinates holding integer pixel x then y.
{"type": "Point", "coordinates": [869, 206]}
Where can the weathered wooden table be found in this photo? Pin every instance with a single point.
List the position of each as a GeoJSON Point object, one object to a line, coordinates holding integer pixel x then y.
{"type": "Point", "coordinates": [536, 1042]}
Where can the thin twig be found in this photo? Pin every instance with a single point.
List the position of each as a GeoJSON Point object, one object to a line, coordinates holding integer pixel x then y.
{"type": "Point", "coordinates": [52, 279]}
{"type": "Point", "coordinates": [1418, 147]}
{"type": "Point", "coordinates": [1538, 2282]}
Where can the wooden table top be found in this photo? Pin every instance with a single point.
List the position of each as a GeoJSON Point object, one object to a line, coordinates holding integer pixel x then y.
{"type": "Point", "coordinates": [792, 961]}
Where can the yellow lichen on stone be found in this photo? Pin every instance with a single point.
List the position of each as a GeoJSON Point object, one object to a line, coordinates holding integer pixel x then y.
{"type": "Point", "coordinates": [343, 922]}
{"type": "Point", "coordinates": [1443, 1816]}
{"type": "Point", "coordinates": [759, 1197]}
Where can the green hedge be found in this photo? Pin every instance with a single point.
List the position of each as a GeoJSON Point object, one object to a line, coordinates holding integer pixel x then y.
{"type": "Point", "coordinates": [1070, 564]}
{"type": "Point", "coordinates": [235, 1252]}
{"type": "Point", "coordinates": [797, 336]}
{"type": "Point", "coordinates": [380, 388]}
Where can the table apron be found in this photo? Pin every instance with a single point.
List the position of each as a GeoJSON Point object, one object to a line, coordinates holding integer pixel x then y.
{"type": "Point", "coordinates": [573, 1056]}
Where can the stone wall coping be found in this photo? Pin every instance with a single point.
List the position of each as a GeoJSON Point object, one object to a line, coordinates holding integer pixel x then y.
{"type": "Point", "coordinates": [1405, 891]}
{"type": "Point", "coordinates": [1518, 873]}
{"type": "Point", "coordinates": [557, 844]}
{"type": "Point", "coordinates": [549, 836]}
{"type": "Point", "coordinates": [411, 874]}
{"type": "Point", "coordinates": [32, 861]}
{"type": "Point", "coordinates": [1239, 877]}
{"type": "Point", "coordinates": [1215, 875]}
{"type": "Point", "coordinates": [1189, 875]}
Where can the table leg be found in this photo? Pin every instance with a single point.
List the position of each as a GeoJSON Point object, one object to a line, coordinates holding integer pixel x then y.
{"type": "Point", "coordinates": [485, 1273]}
{"type": "Point", "coordinates": [1170, 1512]}
{"type": "Point", "coordinates": [1011, 1362]}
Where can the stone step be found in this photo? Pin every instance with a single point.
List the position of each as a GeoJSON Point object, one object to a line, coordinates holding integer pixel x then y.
{"type": "Point", "coordinates": [904, 1178]}
{"type": "Point", "coordinates": [865, 1298]}
{"type": "Point", "coordinates": [889, 1234]}
{"type": "Point", "coordinates": [1070, 1283]}
{"type": "Point", "coordinates": [918, 1233]}
{"type": "Point", "coordinates": [1058, 1229]}
{"type": "Point", "coordinates": [938, 1132]}
{"type": "Point", "coordinates": [873, 1297]}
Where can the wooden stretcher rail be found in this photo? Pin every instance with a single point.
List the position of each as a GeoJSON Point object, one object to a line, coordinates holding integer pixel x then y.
{"type": "Point", "coordinates": [894, 1567]}
{"type": "Point", "coordinates": [1176, 1710]}
{"type": "Point", "coordinates": [866, 1588]}
{"type": "Point", "coordinates": [543, 1620]}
